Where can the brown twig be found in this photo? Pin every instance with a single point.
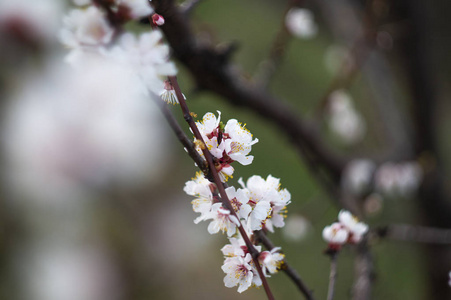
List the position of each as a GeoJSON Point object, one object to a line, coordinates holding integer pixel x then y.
{"type": "Point", "coordinates": [186, 142]}
{"type": "Point", "coordinates": [224, 198]}
{"type": "Point", "coordinates": [332, 275]}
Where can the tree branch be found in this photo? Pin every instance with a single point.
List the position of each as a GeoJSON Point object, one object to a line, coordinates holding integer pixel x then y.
{"type": "Point", "coordinates": [212, 72]}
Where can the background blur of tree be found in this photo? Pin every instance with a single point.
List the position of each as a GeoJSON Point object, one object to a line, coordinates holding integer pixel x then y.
{"type": "Point", "coordinates": [92, 206]}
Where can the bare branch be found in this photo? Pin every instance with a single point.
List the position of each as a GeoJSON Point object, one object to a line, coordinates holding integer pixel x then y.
{"type": "Point", "coordinates": [332, 275]}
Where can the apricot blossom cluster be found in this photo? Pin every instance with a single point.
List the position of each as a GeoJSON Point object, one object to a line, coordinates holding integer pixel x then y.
{"type": "Point", "coordinates": [348, 229]}
{"type": "Point", "coordinates": [259, 204]}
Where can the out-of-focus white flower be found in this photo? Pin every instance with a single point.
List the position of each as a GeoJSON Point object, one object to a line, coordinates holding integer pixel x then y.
{"type": "Point", "coordinates": [271, 260]}
{"type": "Point", "coordinates": [137, 8]}
{"type": "Point", "coordinates": [344, 120]}
{"type": "Point", "coordinates": [300, 23]}
{"type": "Point", "coordinates": [449, 280]}
{"type": "Point", "coordinates": [336, 235]}
{"type": "Point", "coordinates": [82, 2]}
{"type": "Point", "coordinates": [87, 126]}
{"type": "Point", "coordinates": [239, 272]}
{"type": "Point", "coordinates": [357, 175]}
{"type": "Point", "coordinates": [61, 272]}
{"type": "Point", "coordinates": [297, 227]}
{"type": "Point", "coordinates": [85, 30]}
{"type": "Point", "coordinates": [37, 19]}
{"type": "Point", "coordinates": [398, 179]}
{"type": "Point", "coordinates": [146, 56]}
{"type": "Point", "coordinates": [351, 223]}
{"type": "Point", "coordinates": [222, 220]}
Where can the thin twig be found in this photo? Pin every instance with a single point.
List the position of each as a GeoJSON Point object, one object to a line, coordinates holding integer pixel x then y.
{"type": "Point", "coordinates": [186, 142]}
{"type": "Point", "coordinates": [224, 198]}
{"type": "Point", "coordinates": [288, 269]}
{"type": "Point", "coordinates": [270, 65]}
{"type": "Point", "coordinates": [332, 275]}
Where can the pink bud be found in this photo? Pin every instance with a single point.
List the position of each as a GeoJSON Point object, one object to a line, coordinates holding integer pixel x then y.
{"type": "Point", "coordinates": [158, 19]}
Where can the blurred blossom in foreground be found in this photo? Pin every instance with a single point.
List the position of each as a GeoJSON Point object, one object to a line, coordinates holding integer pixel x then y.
{"type": "Point", "coordinates": [92, 126]}
{"type": "Point", "coordinates": [38, 20]}
{"type": "Point", "coordinates": [358, 175]}
{"type": "Point", "coordinates": [56, 273]}
{"type": "Point", "coordinates": [398, 179]}
{"type": "Point", "coordinates": [300, 23]}
{"type": "Point", "coordinates": [344, 120]}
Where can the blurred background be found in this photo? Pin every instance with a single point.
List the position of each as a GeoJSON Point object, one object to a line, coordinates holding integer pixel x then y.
{"type": "Point", "coordinates": [92, 204]}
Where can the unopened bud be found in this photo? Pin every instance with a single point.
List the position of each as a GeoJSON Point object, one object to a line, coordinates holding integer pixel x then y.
{"type": "Point", "coordinates": [157, 19]}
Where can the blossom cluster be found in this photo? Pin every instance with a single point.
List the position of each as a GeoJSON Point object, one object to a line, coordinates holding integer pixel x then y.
{"type": "Point", "coordinates": [227, 143]}
{"type": "Point", "coordinates": [258, 204]}
{"type": "Point", "coordinates": [89, 31]}
{"type": "Point", "coordinates": [348, 229]}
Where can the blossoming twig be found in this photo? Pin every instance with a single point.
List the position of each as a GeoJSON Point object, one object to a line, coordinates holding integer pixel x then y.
{"type": "Point", "coordinates": [225, 200]}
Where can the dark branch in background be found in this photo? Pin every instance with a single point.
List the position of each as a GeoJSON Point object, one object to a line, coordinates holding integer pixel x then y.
{"type": "Point", "coordinates": [212, 72]}
{"type": "Point", "coordinates": [224, 198]}
{"type": "Point", "coordinates": [434, 202]}
{"type": "Point", "coordinates": [289, 271]}
{"type": "Point", "coordinates": [417, 234]}
{"type": "Point", "coordinates": [364, 274]}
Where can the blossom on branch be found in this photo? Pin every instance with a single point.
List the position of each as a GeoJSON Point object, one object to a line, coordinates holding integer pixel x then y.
{"type": "Point", "coordinates": [271, 260]}
{"type": "Point", "coordinates": [229, 143]}
{"type": "Point", "coordinates": [348, 229]}
{"type": "Point", "coordinates": [239, 272]}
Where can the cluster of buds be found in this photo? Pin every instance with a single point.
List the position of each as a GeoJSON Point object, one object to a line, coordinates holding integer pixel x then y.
{"type": "Point", "coordinates": [348, 230]}
{"type": "Point", "coordinates": [258, 204]}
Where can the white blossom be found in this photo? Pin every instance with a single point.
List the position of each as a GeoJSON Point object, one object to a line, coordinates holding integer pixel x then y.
{"type": "Point", "coordinates": [271, 260]}
{"type": "Point", "coordinates": [267, 200]}
{"type": "Point", "coordinates": [85, 31]}
{"type": "Point", "coordinates": [200, 187]}
{"type": "Point", "coordinates": [94, 126]}
{"type": "Point", "coordinates": [146, 56]}
{"type": "Point", "coordinates": [137, 8]}
{"type": "Point", "coordinates": [300, 23]}
{"type": "Point", "coordinates": [335, 234]}
{"type": "Point", "coordinates": [239, 272]}
{"type": "Point", "coordinates": [222, 220]}
{"type": "Point", "coordinates": [227, 144]}
{"type": "Point", "coordinates": [398, 179]}
{"type": "Point", "coordinates": [357, 175]}
{"type": "Point", "coordinates": [351, 223]}
{"type": "Point", "coordinates": [239, 202]}
{"type": "Point", "coordinates": [344, 120]}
